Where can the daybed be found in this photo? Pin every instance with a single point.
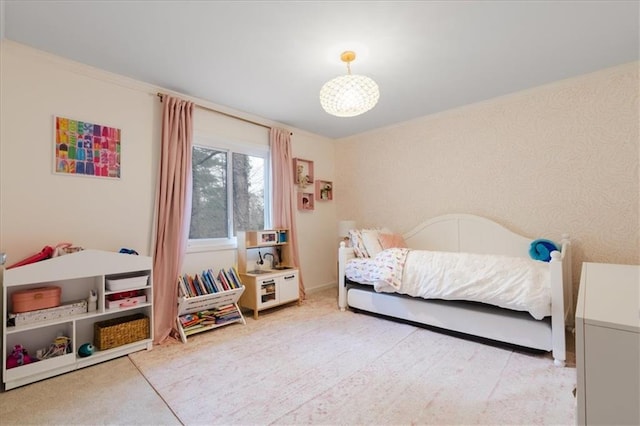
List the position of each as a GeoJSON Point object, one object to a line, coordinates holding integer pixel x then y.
{"type": "Point", "coordinates": [463, 233]}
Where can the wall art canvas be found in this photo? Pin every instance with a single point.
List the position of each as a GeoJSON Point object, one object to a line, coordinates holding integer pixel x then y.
{"type": "Point", "coordinates": [86, 149]}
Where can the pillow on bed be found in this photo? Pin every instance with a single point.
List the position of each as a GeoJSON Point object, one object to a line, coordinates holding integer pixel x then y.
{"type": "Point", "coordinates": [391, 241]}
{"type": "Point", "coordinates": [355, 235]}
{"type": "Point", "coordinates": [365, 241]}
{"type": "Point", "coordinates": [371, 242]}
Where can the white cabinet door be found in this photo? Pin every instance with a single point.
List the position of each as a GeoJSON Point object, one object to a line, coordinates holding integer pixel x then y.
{"type": "Point", "coordinates": [288, 287]}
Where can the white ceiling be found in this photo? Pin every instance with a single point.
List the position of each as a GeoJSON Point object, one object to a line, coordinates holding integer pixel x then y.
{"type": "Point", "coordinates": [270, 58]}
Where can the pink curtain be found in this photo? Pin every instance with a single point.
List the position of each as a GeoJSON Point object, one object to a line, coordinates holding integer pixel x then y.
{"type": "Point", "coordinates": [173, 210]}
{"type": "Point", "coordinates": [284, 190]}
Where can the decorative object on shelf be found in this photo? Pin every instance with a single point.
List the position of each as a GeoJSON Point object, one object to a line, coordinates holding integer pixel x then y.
{"type": "Point", "coordinates": [86, 149]}
{"type": "Point", "coordinates": [128, 251]}
{"type": "Point", "coordinates": [324, 190]}
{"type": "Point", "coordinates": [92, 301]}
{"type": "Point", "coordinates": [344, 226]}
{"type": "Point", "coordinates": [60, 346]}
{"type": "Point", "coordinates": [305, 201]}
{"type": "Point", "coordinates": [349, 95]}
{"type": "Point", "coordinates": [303, 170]}
{"type": "Point", "coordinates": [65, 248]}
{"type": "Point", "coordinates": [86, 350]}
{"type": "Point", "coordinates": [18, 357]}
{"type": "Point", "coordinates": [44, 254]}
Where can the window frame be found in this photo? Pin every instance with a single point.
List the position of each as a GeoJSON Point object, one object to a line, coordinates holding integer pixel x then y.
{"type": "Point", "coordinates": [230, 147]}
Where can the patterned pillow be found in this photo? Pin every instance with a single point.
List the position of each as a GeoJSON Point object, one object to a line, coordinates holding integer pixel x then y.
{"type": "Point", "coordinates": [355, 235]}
{"type": "Point", "coordinates": [365, 242]}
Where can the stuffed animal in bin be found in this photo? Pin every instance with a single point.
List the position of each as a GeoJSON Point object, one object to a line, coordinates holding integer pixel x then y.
{"type": "Point", "coordinates": [18, 357]}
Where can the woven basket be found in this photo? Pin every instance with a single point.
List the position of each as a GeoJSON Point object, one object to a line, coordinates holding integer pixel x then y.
{"type": "Point", "coordinates": [120, 331]}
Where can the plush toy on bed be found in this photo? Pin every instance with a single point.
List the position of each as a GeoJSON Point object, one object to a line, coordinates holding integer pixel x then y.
{"type": "Point", "coordinates": [541, 249]}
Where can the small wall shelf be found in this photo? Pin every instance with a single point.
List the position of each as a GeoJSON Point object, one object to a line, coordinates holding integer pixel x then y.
{"type": "Point", "coordinates": [305, 201]}
{"type": "Point", "coordinates": [302, 172]}
{"type": "Point", "coordinates": [324, 190]}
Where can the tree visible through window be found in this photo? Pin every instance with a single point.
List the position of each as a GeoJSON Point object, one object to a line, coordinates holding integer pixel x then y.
{"type": "Point", "coordinates": [226, 184]}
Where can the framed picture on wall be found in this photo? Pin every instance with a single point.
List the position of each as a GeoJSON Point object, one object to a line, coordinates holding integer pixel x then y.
{"type": "Point", "coordinates": [86, 149]}
{"type": "Point", "coordinates": [302, 172]}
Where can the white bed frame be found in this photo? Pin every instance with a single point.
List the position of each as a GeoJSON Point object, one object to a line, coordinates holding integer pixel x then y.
{"type": "Point", "coordinates": [474, 234]}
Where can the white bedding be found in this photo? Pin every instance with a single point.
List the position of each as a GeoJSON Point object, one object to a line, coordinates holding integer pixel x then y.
{"type": "Point", "coordinates": [510, 282]}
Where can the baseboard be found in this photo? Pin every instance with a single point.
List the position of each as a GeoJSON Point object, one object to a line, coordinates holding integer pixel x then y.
{"type": "Point", "coordinates": [322, 287]}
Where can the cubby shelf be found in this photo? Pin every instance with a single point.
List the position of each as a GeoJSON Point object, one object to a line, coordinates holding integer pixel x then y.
{"type": "Point", "coordinates": [77, 274]}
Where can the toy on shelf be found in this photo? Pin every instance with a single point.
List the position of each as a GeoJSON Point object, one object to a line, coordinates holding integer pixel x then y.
{"type": "Point", "coordinates": [44, 254]}
{"type": "Point", "coordinates": [19, 356]}
{"type": "Point", "coordinates": [60, 346]}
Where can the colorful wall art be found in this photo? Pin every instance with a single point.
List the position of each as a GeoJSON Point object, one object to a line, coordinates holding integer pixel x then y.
{"type": "Point", "coordinates": [86, 149]}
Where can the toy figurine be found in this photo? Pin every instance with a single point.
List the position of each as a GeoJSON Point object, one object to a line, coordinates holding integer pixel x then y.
{"type": "Point", "coordinates": [18, 357]}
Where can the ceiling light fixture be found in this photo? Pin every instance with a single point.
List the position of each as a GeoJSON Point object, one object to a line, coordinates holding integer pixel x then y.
{"type": "Point", "coordinates": [349, 95]}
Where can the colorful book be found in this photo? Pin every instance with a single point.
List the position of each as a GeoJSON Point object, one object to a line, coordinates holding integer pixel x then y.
{"type": "Point", "coordinates": [227, 279]}
{"type": "Point", "coordinates": [196, 280]}
{"type": "Point", "coordinates": [196, 288]}
{"type": "Point", "coordinates": [182, 288]}
{"type": "Point", "coordinates": [223, 280]}
{"type": "Point", "coordinates": [235, 277]}
{"type": "Point", "coordinates": [212, 281]}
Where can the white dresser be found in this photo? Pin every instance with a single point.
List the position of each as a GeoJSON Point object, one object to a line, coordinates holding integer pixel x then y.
{"type": "Point", "coordinates": [608, 345]}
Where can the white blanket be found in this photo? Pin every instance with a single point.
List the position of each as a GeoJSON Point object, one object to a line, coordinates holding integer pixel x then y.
{"type": "Point", "coordinates": [510, 282]}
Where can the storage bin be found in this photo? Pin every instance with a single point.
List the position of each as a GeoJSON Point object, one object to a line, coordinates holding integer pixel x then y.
{"type": "Point", "coordinates": [120, 331]}
{"type": "Point", "coordinates": [119, 284]}
{"type": "Point", "coordinates": [126, 303]}
{"type": "Point", "coordinates": [62, 311]}
{"type": "Point", "coordinates": [35, 298]}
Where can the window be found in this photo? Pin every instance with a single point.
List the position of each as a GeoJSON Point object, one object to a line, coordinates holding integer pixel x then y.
{"type": "Point", "coordinates": [229, 192]}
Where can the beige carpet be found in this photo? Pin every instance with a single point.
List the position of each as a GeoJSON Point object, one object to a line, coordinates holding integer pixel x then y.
{"type": "Point", "coordinates": [309, 364]}
{"type": "Point", "coordinates": [315, 364]}
{"type": "Point", "coordinates": [113, 392]}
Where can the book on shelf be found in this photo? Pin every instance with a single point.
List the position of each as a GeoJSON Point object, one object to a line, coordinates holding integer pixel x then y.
{"type": "Point", "coordinates": [189, 319]}
{"type": "Point", "coordinates": [223, 280]}
{"type": "Point", "coordinates": [235, 277]}
{"type": "Point", "coordinates": [215, 281]}
{"type": "Point", "coordinates": [189, 279]}
{"type": "Point", "coordinates": [208, 282]}
{"type": "Point", "coordinates": [182, 287]}
{"type": "Point", "coordinates": [220, 315]}
{"type": "Point", "coordinates": [193, 327]}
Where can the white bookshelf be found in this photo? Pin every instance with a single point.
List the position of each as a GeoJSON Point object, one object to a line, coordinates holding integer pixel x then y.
{"type": "Point", "coordinates": [77, 274]}
{"type": "Point", "coordinates": [207, 302]}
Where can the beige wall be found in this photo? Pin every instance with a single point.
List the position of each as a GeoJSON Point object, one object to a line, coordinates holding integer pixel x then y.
{"type": "Point", "coordinates": [38, 207]}
{"type": "Point", "coordinates": [561, 158]}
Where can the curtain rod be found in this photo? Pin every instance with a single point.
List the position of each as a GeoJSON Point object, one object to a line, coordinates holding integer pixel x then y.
{"type": "Point", "coordinates": [162, 95]}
